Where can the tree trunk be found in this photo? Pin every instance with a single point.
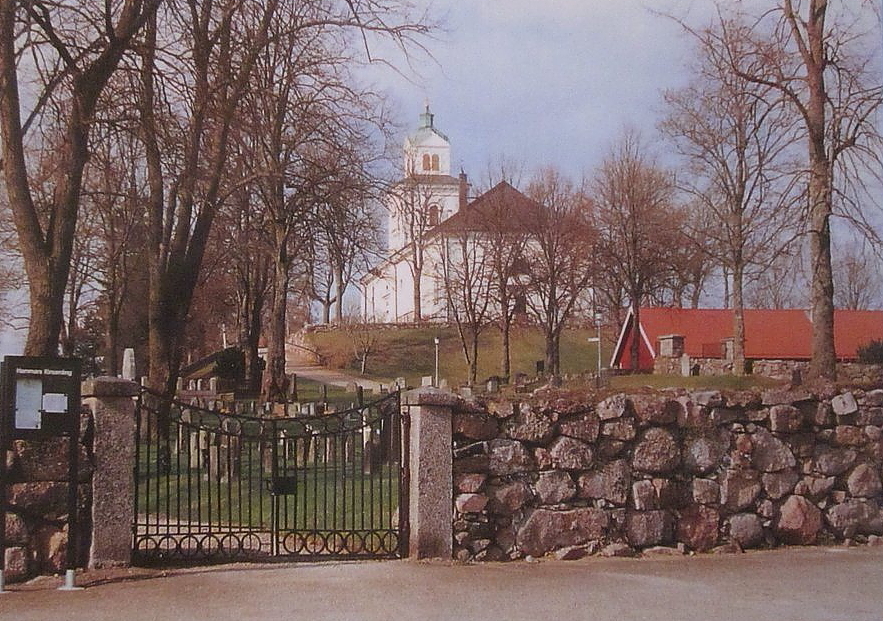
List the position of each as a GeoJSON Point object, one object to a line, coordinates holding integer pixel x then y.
{"type": "Point", "coordinates": [473, 362]}
{"type": "Point", "coordinates": [635, 347]}
{"type": "Point", "coordinates": [505, 355]}
{"type": "Point", "coordinates": [418, 311]}
{"type": "Point", "coordinates": [551, 357]}
{"type": "Point", "coordinates": [111, 341]}
{"type": "Point", "coordinates": [274, 375]}
{"type": "Point", "coordinates": [251, 307]}
{"type": "Point", "coordinates": [823, 363]}
{"type": "Point", "coordinates": [338, 311]}
{"type": "Point", "coordinates": [824, 360]}
{"type": "Point", "coordinates": [738, 323]}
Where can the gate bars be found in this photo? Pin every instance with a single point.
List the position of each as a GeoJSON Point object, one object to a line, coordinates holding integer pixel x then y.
{"type": "Point", "coordinates": [218, 486]}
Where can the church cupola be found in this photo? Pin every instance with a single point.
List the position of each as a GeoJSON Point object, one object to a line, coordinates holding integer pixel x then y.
{"type": "Point", "coordinates": [427, 150]}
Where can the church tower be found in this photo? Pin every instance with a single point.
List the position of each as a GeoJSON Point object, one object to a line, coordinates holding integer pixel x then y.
{"type": "Point", "coordinates": [427, 151]}
{"type": "Point", "coordinates": [427, 181]}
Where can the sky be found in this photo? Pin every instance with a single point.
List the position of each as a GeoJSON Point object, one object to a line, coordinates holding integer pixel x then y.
{"type": "Point", "coordinates": [550, 82]}
{"type": "Point", "coordinates": [539, 82]}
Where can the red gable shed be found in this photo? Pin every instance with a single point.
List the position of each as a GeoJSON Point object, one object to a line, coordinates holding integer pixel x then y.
{"type": "Point", "coordinates": [769, 334]}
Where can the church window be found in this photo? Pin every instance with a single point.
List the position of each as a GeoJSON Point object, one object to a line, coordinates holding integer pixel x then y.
{"type": "Point", "coordinates": [427, 162]}
{"type": "Point", "coordinates": [435, 162]}
{"type": "Point", "coordinates": [433, 215]}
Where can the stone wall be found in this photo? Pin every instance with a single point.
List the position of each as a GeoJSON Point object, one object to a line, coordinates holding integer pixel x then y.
{"type": "Point", "coordinates": [666, 472]}
{"type": "Point", "coordinates": [37, 509]}
{"type": "Point", "coordinates": [849, 372]}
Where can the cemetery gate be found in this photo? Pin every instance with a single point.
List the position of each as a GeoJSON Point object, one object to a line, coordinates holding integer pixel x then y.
{"type": "Point", "coordinates": [218, 486]}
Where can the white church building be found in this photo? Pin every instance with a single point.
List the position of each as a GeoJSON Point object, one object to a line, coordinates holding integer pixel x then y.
{"type": "Point", "coordinates": [424, 207]}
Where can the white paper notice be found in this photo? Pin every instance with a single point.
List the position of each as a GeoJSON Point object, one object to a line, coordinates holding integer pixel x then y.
{"type": "Point", "coordinates": [28, 402]}
{"type": "Point", "coordinates": [55, 402]}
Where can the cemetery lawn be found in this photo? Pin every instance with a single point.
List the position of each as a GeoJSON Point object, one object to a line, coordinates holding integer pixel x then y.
{"type": "Point", "coordinates": [324, 498]}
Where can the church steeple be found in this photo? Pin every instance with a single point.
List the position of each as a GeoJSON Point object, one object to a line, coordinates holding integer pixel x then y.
{"type": "Point", "coordinates": [426, 119]}
{"type": "Point", "coordinates": [427, 150]}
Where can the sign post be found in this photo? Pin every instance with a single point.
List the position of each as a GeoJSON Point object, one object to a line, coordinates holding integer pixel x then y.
{"type": "Point", "coordinates": [40, 399]}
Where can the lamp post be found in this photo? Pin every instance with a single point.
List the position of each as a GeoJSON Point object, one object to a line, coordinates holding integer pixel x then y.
{"type": "Point", "coordinates": [435, 340]}
{"type": "Point", "coordinates": [597, 341]}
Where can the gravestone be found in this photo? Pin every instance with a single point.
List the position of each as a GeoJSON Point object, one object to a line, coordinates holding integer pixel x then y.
{"type": "Point", "coordinates": [129, 363]}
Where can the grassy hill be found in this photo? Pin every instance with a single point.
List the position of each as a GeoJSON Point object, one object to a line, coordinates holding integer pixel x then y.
{"type": "Point", "coordinates": [410, 352]}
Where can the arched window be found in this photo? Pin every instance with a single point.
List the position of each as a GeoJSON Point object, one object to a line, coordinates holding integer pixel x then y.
{"type": "Point", "coordinates": [435, 162]}
{"type": "Point", "coordinates": [427, 164]}
{"type": "Point", "coordinates": [433, 215]}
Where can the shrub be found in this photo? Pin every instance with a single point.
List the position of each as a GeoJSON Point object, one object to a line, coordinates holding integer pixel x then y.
{"type": "Point", "coordinates": [871, 353]}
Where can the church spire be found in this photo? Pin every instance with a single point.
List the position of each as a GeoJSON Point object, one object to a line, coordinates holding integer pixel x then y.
{"type": "Point", "coordinates": [427, 117]}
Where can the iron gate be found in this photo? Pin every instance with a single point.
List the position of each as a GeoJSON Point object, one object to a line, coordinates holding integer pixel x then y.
{"type": "Point", "coordinates": [218, 486]}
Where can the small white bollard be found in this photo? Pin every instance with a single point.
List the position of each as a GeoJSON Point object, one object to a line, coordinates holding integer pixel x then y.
{"type": "Point", "coordinates": [69, 582]}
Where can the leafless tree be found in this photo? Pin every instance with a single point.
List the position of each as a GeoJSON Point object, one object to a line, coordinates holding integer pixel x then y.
{"type": "Point", "coordinates": [559, 258]}
{"type": "Point", "coordinates": [468, 279]}
{"type": "Point", "coordinates": [822, 59]}
{"type": "Point", "coordinates": [252, 274]}
{"type": "Point", "coordinates": [737, 138]}
{"type": "Point", "coordinates": [363, 338]}
{"type": "Point", "coordinates": [638, 222]}
{"type": "Point", "coordinates": [506, 229]}
{"type": "Point", "coordinates": [781, 284]}
{"type": "Point", "coordinates": [66, 52]}
{"type": "Point", "coordinates": [415, 202]}
{"type": "Point", "coordinates": [857, 278]}
{"type": "Point", "coordinates": [194, 71]}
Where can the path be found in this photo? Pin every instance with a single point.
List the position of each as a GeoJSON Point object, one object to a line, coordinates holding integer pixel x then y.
{"type": "Point", "coordinates": [822, 584]}
{"type": "Point", "coordinates": [331, 377]}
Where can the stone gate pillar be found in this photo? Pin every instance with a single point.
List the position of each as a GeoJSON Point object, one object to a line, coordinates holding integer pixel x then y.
{"type": "Point", "coordinates": [430, 493]}
{"type": "Point", "coordinates": [113, 488]}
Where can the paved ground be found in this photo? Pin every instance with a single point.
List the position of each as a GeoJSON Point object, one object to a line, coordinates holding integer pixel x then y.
{"type": "Point", "coordinates": [786, 585]}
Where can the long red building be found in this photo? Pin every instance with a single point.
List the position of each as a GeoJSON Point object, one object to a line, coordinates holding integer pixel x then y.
{"type": "Point", "coordinates": [769, 334]}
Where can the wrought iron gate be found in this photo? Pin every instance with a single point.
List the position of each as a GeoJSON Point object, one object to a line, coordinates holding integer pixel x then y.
{"type": "Point", "coordinates": [218, 486]}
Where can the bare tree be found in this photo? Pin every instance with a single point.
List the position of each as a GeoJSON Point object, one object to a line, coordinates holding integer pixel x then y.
{"type": "Point", "coordinates": [559, 258]}
{"type": "Point", "coordinates": [819, 58]}
{"type": "Point", "coordinates": [780, 285]}
{"type": "Point", "coordinates": [415, 201]}
{"type": "Point", "coordinates": [857, 282]}
{"type": "Point", "coordinates": [363, 338]}
{"type": "Point", "coordinates": [736, 137]}
{"type": "Point", "coordinates": [195, 77]}
{"type": "Point", "coordinates": [506, 228]}
{"type": "Point", "coordinates": [638, 221]}
{"type": "Point", "coordinates": [67, 52]}
{"type": "Point", "coordinates": [468, 279]}
{"type": "Point", "coordinates": [252, 273]}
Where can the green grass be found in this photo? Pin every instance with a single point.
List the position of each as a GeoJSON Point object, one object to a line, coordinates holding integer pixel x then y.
{"type": "Point", "coordinates": [309, 390]}
{"type": "Point", "coordinates": [326, 496]}
{"type": "Point", "coordinates": [410, 353]}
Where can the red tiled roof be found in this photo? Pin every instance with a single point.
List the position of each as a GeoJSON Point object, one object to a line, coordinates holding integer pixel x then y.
{"type": "Point", "coordinates": [774, 334]}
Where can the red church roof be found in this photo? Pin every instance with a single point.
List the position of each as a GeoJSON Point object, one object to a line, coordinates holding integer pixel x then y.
{"type": "Point", "coordinates": [769, 334]}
